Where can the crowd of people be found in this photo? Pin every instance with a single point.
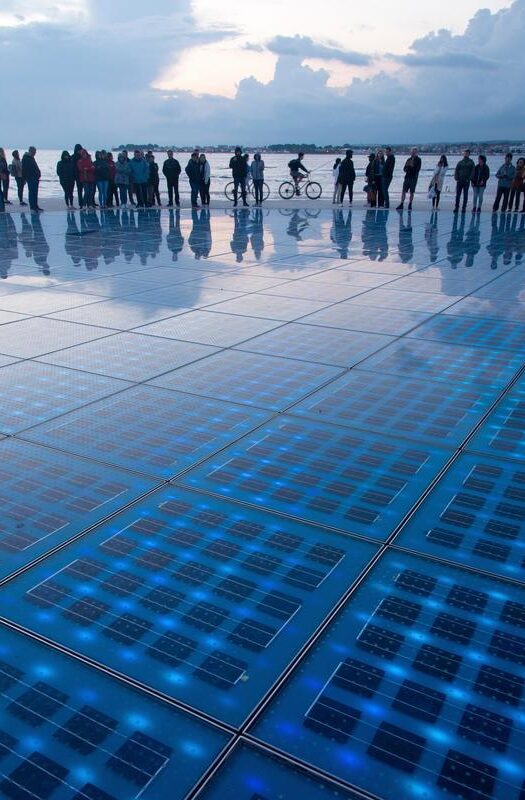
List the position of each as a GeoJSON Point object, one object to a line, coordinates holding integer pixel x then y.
{"type": "Point", "coordinates": [135, 180]}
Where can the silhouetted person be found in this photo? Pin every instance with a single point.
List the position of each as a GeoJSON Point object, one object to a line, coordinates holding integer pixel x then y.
{"type": "Point", "coordinates": [77, 155]}
{"type": "Point", "coordinates": [16, 172]}
{"type": "Point", "coordinates": [66, 176]}
{"type": "Point", "coordinates": [193, 172]}
{"type": "Point", "coordinates": [479, 180]}
{"type": "Point", "coordinates": [239, 168]}
{"type": "Point", "coordinates": [341, 233]}
{"type": "Point", "coordinates": [463, 176]}
{"type": "Point", "coordinates": [411, 169]}
{"type": "Point", "coordinates": [347, 176]}
{"type": "Point", "coordinates": [31, 174]}
{"type": "Point", "coordinates": [390, 163]}
{"type": "Point", "coordinates": [171, 170]}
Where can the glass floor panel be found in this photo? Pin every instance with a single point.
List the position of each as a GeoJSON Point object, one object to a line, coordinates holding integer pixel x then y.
{"type": "Point", "coordinates": [416, 688]}
{"type": "Point", "coordinates": [69, 732]}
{"type": "Point", "coordinates": [200, 598]}
{"type": "Point", "coordinates": [245, 458]}
{"type": "Point", "coordinates": [347, 479]}
{"type": "Point", "coordinates": [150, 430]}
{"type": "Point", "coordinates": [47, 497]}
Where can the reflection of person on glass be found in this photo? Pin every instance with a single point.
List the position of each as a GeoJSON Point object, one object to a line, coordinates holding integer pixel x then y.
{"type": "Point", "coordinates": [257, 234]}
{"type": "Point", "coordinates": [34, 242]}
{"type": "Point", "coordinates": [431, 237]}
{"type": "Point", "coordinates": [199, 239]}
{"type": "Point", "coordinates": [472, 243]}
{"type": "Point", "coordinates": [8, 244]}
{"type": "Point", "coordinates": [496, 246]}
{"type": "Point", "coordinates": [174, 237]}
{"type": "Point", "coordinates": [239, 242]}
{"type": "Point", "coordinates": [341, 232]}
{"type": "Point", "coordinates": [297, 225]}
{"type": "Point", "coordinates": [456, 245]}
{"type": "Point", "coordinates": [406, 243]}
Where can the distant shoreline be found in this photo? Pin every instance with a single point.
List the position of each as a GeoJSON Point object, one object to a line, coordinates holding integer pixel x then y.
{"type": "Point", "coordinates": [489, 148]}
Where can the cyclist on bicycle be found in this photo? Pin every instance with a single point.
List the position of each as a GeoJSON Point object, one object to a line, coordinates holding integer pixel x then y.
{"type": "Point", "coordinates": [295, 166]}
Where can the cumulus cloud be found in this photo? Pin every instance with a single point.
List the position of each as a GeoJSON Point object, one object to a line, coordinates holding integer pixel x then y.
{"type": "Point", "coordinates": [91, 80]}
{"type": "Point", "coordinates": [304, 47]}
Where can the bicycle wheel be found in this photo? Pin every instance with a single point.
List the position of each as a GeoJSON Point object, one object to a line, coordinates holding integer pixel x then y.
{"type": "Point", "coordinates": [287, 190]}
{"type": "Point", "coordinates": [266, 191]}
{"type": "Point", "coordinates": [313, 190]}
{"type": "Point", "coordinates": [228, 190]}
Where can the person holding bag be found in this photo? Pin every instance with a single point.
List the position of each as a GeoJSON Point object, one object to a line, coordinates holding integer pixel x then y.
{"type": "Point", "coordinates": [436, 182]}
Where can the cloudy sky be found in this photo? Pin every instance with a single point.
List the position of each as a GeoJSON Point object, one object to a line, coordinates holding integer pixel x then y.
{"type": "Point", "coordinates": [205, 71]}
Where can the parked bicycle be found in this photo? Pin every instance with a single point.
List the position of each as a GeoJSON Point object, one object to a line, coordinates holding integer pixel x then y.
{"type": "Point", "coordinates": [250, 189]}
{"type": "Point", "coordinates": [312, 189]}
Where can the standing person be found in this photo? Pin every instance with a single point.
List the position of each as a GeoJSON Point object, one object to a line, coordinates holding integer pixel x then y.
{"type": "Point", "coordinates": [3, 174]}
{"type": "Point", "coordinates": [479, 180]}
{"type": "Point", "coordinates": [16, 172]}
{"type": "Point", "coordinates": [347, 176]}
{"type": "Point", "coordinates": [171, 170]}
{"type": "Point", "coordinates": [112, 188]}
{"type": "Point", "coordinates": [411, 170]}
{"type": "Point", "coordinates": [193, 172]}
{"type": "Point", "coordinates": [31, 174]}
{"type": "Point", "coordinates": [248, 177]}
{"type": "Point", "coordinates": [437, 180]}
{"type": "Point", "coordinates": [86, 172]}
{"type": "Point", "coordinates": [66, 176]}
{"type": "Point", "coordinates": [131, 188]}
{"type": "Point", "coordinates": [122, 178]}
{"type": "Point", "coordinates": [463, 176]}
{"type": "Point", "coordinates": [153, 181]}
{"type": "Point", "coordinates": [258, 178]}
{"type": "Point", "coordinates": [370, 183]}
{"type": "Point", "coordinates": [77, 155]}
{"type": "Point", "coordinates": [336, 197]}
{"type": "Point", "coordinates": [4, 169]}
{"type": "Point", "coordinates": [102, 177]}
{"type": "Point", "coordinates": [140, 176]}
{"type": "Point", "coordinates": [379, 174]}
{"type": "Point", "coordinates": [516, 186]}
{"type": "Point", "coordinates": [205, 178]}
{"type": "Point", "coordinates": [505, 176]}
{"type": "Point", "coordinates": [239, 170]}
{"type": "Point", "coordinates": [390, 163]}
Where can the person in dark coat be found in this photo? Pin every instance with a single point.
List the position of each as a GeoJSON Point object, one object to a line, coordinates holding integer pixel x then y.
{"type": "Point", "coordinates": [193, 171]}
{"type": "Point", "coordinates": [66, 176]}
{"type": "Point", "coordinates": [31, 174]}
{"type": "Point", "coordinates": [171, 170]}
{"type": "Point", "coordinates": [347, 176]}
{"type": "Point", "coordinates": [77, 155]}
{"type": "Point", "coordinates": [239, 168]}
{"type": "Point", "coordinates": [390, 163]}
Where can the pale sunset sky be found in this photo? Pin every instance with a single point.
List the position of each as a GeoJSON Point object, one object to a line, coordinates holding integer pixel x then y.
{"type": "Point", "coordinates": [282, 70]}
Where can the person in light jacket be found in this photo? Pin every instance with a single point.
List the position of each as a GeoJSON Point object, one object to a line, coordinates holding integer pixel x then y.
{"type": "Point", "coordinates": [258, 178]}
{"type": "Point", "coordinates": [437, 180]}
{"type": "Point", "coordinates": [16, 172]}
{"type": "Point", "coordinates": [205, 177]}
{"type": "Point", "coordinates": [505, 176]}
{"type": "Point", "coordinates": [140, 174]}
{"type": "Point", "coordinates": [336, 197]}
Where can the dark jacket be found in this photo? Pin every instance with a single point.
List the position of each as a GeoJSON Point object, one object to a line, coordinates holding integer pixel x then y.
{"type": "Point", "coordinates": [412, 167]}
{"type": "Point", "coordinates": [30, 170]}
{"type": "Point", "coordinates": [101, 169]}
{"type": "Point", "coordinates": [390, 163]}
{"type": "Point", "coordinates": [66, 170]}
{"type": "Point", "coordinates": [193, 171]}
{"type": "Point", "coordinates": [347, 170]}
{"type": "Point", "coordinates": [153, 173]}
{"type": "Point", "coordinates": [171, 168]}
{"type": "Point", "coordinates": [480, 175]}
{"type": "Point", "coordinates": [464, 170]}
{"type": "Point", "coordinates": [239, 167]}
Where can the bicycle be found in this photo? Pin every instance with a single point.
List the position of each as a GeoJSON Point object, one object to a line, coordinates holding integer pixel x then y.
{"type": "Point", "coordinates": [312, 189]}
{"type": "Point", "coordinates": [250, 189]}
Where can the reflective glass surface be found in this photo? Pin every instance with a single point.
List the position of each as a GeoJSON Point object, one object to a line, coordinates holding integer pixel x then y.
{"type": "Point", "coordinates": [263, 489]}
